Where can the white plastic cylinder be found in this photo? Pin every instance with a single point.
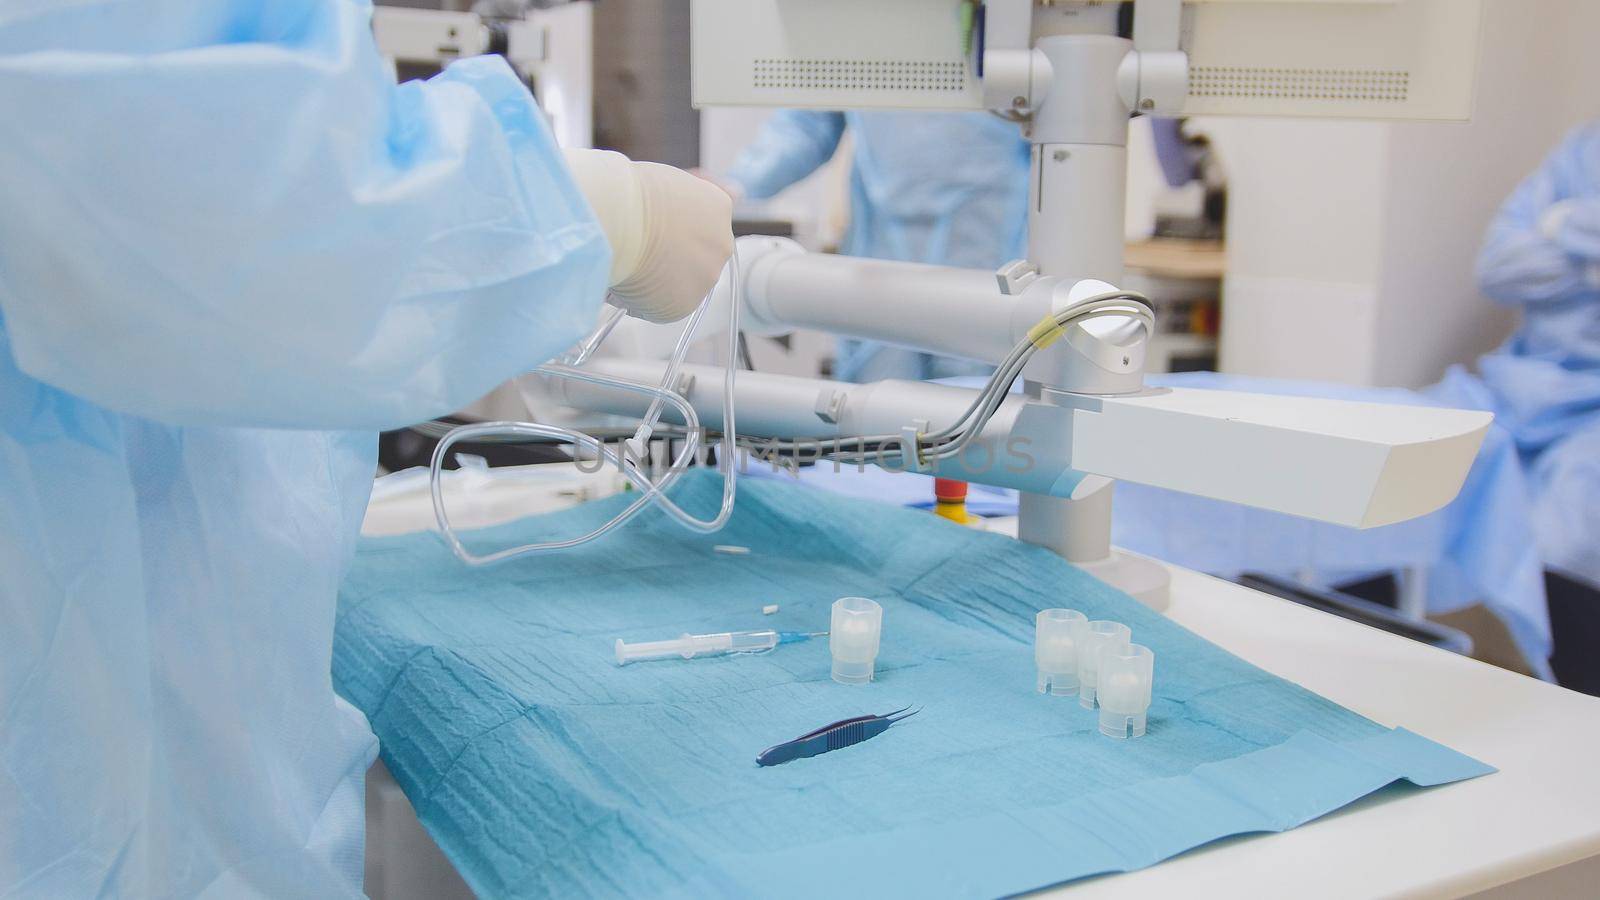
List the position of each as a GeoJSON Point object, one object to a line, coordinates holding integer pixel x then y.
{"type": "Point", "coordinates": [1079, 530]}
{"type": "Point", "coordinates": [1098, 638]}
{"type": "Point", "coordinates": [1126, 675]}
{"type": "Point", "coordinates": [907, 304]}
{"type": "Point", "coordinates": [1056, 635]}
{"type": "Point", "coordinates": [1083, 106]}
{"type": "Point", "coordinates": [853, 634]}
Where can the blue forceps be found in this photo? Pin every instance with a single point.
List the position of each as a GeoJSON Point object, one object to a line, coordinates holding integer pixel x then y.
{"type": "Point", "coordinates": [842, 733]}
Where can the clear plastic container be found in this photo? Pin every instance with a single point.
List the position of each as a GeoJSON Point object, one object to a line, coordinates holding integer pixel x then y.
{"type": "Point", "coordinates": [1126, 676]}
{"type": "Point", "coordinates": [1098, 637]}
{"type": "Point", "coordinates": [1056, 635]}
{"type": "Point", "coordinates": [853, 635]}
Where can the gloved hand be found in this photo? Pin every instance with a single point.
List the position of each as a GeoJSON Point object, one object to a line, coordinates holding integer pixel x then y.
{"type": "Point", "coordinates": [670, 232]}
{"type": "Point", "coordinates": [1575, 226]}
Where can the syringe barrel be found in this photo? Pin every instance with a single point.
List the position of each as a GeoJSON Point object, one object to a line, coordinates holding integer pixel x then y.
{"type": "Point", "coordinates": [752, 641]}
{"type": "Point", "coordinates": [689, 646]}
{"type": "Point", "coordinates": [627, 653]}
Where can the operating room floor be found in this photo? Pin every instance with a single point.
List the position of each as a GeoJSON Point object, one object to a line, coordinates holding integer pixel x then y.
{"type": "Point", "coordinates": [403, 862]}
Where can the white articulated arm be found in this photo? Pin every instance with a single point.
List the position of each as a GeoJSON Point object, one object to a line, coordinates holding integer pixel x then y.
{"type": "Point", "coordinates": [1354, 464]}
{"type": "Point", "coordinates": [938, 309]}
{"type": "Point", "coordinates": [941, 309]}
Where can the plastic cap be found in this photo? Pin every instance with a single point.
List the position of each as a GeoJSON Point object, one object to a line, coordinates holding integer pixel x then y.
{"type": "Point", "coordinates": [1126, 675]}
{"type": "Point", "coordinates": [949, 490]}
{"type": "Point", "coordinates": [1098, 637]}
{"type": "Point", "coordinates": [1056, 634]}
{"type": "Point", "coordinates": [853, 634]}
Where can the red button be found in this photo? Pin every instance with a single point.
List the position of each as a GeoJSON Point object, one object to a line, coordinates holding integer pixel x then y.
{"type": "Point", "coordinates": [949, 490]}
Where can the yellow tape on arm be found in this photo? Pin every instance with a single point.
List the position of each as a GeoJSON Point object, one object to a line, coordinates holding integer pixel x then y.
{"type": "Point", "coordinates": [1045, 333]}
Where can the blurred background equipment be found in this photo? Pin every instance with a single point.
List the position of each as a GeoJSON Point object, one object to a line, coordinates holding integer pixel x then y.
{"type": "Point", "coordinates": [550, 46]}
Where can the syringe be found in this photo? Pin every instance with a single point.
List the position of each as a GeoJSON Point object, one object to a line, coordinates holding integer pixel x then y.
{"type": "Point", "coordinates": [691, 645]}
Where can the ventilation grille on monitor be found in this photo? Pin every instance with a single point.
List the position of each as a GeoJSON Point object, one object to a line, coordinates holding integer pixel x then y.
{"type": "Point", "coordinates": [1372, 85]}
{"type": "Point", "coordinates": [861, 74]}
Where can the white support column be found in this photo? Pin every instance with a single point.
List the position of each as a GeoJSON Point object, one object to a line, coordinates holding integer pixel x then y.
{"type": "Point", "coordinates": [1075, 228]}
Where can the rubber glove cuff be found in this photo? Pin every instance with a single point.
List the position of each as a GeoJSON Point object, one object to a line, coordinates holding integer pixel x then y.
{"type": "Point", "coordinates": [687, 239]}
{"type": "Point", "coordinates": [670, 232]}
{"type": "Point", "coordinates": [606, 180]}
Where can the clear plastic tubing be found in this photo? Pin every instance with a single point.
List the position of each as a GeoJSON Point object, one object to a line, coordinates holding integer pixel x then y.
{"type": "Point", "coordinates": [535, 429]}
{"type": "Point", "coordinates": [689, 646]}
{"type": "Point", "coordinates": [651, 492]}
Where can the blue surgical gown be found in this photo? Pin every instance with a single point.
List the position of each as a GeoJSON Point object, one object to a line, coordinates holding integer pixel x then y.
{"type": "Point", "coordinates": [1543, 384]}
{"type": "Point", "coordinates": [230, 250]}
{"type": "Point", "coordinates": [930, 187]}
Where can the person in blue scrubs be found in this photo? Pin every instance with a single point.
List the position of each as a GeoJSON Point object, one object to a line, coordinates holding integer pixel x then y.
{"type": "Point", "coordinates": [1542, 255]}
{"type": "Point", "coordinates": [932, 187]}
{"type": "Point", "coordinates": [231, 251]}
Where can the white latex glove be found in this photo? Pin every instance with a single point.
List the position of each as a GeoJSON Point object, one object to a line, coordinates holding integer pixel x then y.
{"type": "Point", "coordinates": [670, 232]}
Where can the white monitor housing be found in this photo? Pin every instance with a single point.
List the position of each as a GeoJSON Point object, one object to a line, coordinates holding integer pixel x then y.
{"type": "Point", "coordinates": [1383, 59]}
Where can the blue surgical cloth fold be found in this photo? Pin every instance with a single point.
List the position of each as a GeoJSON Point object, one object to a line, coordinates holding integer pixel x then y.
{"type": "Point", "coordinates": [543, 768]}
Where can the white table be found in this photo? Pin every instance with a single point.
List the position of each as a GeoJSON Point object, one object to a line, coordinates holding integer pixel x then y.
{"type": "Point", "coordinates": [1540, 812]}
{"type": "Point", "coordinates": [1531, 829]}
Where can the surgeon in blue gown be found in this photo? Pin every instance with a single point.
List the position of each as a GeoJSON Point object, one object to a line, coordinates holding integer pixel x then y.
{"type": "Point", "coordinates": [932, 187]}
{"type": "Point", "coordinates": [231, 250]}
{"type": "Point", "coordinates": [1542, 254]}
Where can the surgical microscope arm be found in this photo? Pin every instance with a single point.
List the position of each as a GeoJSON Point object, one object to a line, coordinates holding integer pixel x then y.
{"type": "Point", "coordinates": [1354, 464]}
